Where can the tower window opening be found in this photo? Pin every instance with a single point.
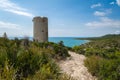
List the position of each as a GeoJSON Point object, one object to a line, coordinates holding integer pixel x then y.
{"type": "Point", "coordinates": [43, 20]}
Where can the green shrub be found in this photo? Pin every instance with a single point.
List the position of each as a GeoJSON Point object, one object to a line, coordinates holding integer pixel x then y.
{"type": "Point", "coordinates": [104, 69]}
{"type": "Point", "coordinates": [103, 57]}
{"type": "Point", "coordinates": [79, 49]}
{"type": "Point", "coordinates": [92, 63]}
{"type": "Point", "coordinates": [31, 60]}
{"type": "Point", "coordinates": [7, 72]}
{"type": "Point", "coordinates": [108, 70]}
{"type": "Point", "coordinates": [3, 56]}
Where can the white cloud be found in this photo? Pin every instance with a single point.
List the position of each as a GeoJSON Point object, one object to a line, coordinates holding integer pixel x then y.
{"type": "Point", "coordinates": [9, 6]}
{"type": "Point", "coordinates": [117, 32]}
{"type": "Point", "coordinates": [20, 13]}
{"type": "Point", "coordinates": [96, 5]}
{"type": "Point", "coordinates": [104, 22]}
{"type": "Point", "coordinates": [7, 25]}
{"type": "Point", "coordinates": [98, 13]}
{"type": "Point", "coordinates": [112, 3]}
{"type": "Point", "coordinates": [103, 13]}
{"type": "Point", "coordinates": [106, 19]}
{"type": "Point", "coordinates": [118, 2]}
{"type": "Point", "coordinates": [14, 30]}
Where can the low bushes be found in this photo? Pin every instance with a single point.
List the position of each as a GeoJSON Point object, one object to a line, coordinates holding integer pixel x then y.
{"type": "Point", "coordinates": [104, 69]}
{"type": "Point", "coordinates": [103, 57]}
{"type": "Point", "coordinates": [25, 60]}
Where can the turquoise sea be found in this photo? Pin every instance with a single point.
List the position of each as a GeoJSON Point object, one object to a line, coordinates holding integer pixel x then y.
{"type": "Point", "coordinates": [68, 41]}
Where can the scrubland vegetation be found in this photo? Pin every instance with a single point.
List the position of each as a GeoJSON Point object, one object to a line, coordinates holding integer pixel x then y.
{"type": "Point", "coordinates": [103, 56]}
{"type": "Point", "coordinates": [26, 60]}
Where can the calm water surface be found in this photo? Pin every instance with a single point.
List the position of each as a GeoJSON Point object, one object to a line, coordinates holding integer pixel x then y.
{"type": "Point", "coordinates": [68, 41]}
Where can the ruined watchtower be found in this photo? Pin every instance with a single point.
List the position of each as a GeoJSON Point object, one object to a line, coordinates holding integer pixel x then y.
{"type": "Point", "coordinates": [40, 30]}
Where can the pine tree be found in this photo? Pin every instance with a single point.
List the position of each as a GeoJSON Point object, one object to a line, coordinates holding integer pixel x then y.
{"type": "Point", "coordinates": [5, 35]}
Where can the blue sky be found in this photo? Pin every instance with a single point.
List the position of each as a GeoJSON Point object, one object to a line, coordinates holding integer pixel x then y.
{"type": "Point", "coordinates": [67, 18]}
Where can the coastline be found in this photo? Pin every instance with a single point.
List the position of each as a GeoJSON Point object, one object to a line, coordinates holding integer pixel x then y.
{"type": "Point", "coordinates": [67, 41]}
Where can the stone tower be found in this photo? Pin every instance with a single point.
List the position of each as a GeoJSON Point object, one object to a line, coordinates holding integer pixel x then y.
{"type": "Point", "coordinates": [40, 29]}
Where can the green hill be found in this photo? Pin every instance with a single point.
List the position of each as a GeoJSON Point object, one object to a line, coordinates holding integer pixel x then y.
{"type": "Point", "coordinates": [108, 36]}
{"type": "Point", "coordinates": [103, 56]}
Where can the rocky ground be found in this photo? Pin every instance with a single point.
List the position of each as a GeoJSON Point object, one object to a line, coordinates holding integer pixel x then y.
{"type": "Point", "coordinates": [74, 66]}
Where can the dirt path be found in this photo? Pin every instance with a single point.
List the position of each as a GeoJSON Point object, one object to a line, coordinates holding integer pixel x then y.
{"type": "Point", "coordinates": [74, 66]}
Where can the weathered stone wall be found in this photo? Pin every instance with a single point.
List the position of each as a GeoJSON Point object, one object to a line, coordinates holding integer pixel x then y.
{"type": "Point", "coordinates": [40, 29]}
